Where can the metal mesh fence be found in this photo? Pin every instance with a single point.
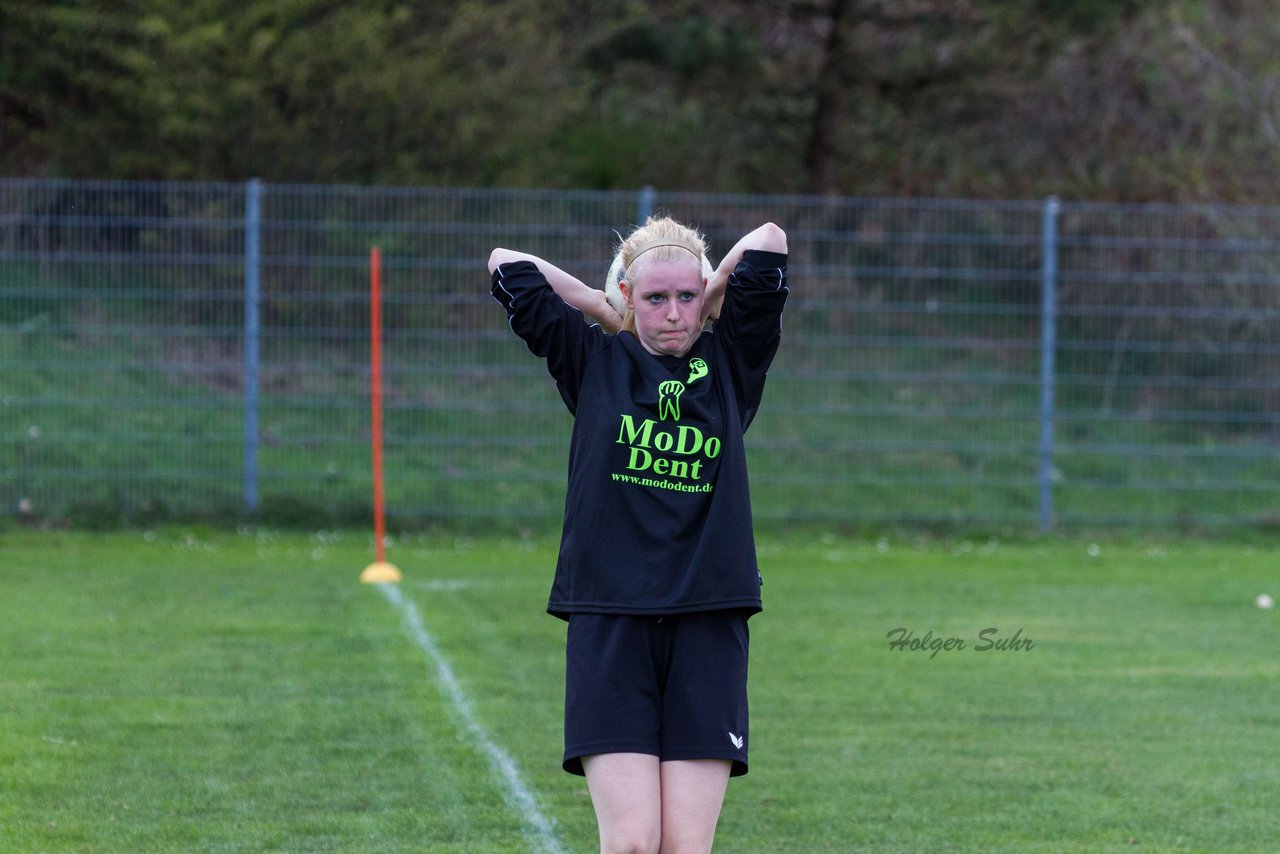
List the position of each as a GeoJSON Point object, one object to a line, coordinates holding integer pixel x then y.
{"type": "Point", "coordinates": [202, 351]}
{"type": "Point", "coordinates": [1169, 364]}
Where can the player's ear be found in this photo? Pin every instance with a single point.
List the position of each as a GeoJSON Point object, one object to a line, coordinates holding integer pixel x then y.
{"type": "Point", "coordinates": [624, 287]}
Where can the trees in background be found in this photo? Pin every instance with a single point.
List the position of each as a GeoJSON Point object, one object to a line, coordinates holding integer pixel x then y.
{"type": "Point", "coordinates": [1134, 99]}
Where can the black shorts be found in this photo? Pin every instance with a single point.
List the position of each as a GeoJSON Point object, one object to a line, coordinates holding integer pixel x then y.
{"type": "Point", "coordinates": [674, 687]}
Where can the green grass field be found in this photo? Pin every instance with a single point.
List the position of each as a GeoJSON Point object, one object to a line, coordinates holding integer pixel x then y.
{"type": "Point", "coordinates": [192, 690]}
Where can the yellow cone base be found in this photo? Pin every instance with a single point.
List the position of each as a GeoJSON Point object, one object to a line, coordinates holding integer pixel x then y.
{"type": "Point", "coordinates": [380, 573]}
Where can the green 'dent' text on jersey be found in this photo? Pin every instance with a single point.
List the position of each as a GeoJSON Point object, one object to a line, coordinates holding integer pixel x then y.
{"type": "Point", "coordinates": [658, 511]}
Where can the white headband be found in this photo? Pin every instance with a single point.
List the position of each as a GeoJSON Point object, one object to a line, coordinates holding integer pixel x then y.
{"type": "Point", "coordinates": [667, 241]}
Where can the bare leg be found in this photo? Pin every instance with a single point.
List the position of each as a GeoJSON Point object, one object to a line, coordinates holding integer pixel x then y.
{"type": "Point", "coordinates": [692, 794]}
{"type": "Point", "coordinates": [646, 806]}
{"type": "Point", "coordinates": [626, 790]}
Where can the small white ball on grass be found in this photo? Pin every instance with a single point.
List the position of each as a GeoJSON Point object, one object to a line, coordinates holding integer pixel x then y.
{"type": "Point", "coordinates": [1264, 601]}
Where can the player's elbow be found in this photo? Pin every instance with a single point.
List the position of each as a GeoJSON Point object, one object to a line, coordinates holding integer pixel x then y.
{"type": "Point", "coordinates": [773, 238]}
{"type": "Point", "coordinates": [498, 257]}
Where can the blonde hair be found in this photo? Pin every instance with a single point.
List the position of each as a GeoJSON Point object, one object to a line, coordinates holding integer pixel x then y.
{"type": "Point", "coordinates": [659, 239]}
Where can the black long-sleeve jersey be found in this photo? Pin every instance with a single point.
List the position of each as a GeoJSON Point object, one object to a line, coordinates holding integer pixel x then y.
{"type": "Point", "coordinates": [658, 512]}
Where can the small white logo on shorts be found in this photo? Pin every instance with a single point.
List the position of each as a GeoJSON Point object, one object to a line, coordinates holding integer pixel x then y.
{"type": "Point", "coordinates": [737, 740]}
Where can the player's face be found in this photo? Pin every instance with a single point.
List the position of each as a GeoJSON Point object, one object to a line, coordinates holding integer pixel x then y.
{"type": "Point", "coordinates": [667, 299]}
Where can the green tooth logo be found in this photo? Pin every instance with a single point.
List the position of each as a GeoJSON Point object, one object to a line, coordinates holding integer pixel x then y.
{"type": "Point", "coordinates": [669, 393]}
{"type": "Point", "coordinates": [697, 370]}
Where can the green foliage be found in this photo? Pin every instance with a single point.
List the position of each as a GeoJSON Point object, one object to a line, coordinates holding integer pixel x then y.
{"type": "Point", "coordinates": [1078, 16]}
{"type": "Point", "coordinates": [1132, 99]}
{"type": "Point", "coordinates": [72, 86]}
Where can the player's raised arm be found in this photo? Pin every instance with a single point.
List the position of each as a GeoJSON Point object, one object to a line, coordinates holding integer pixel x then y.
{"type": "Point", "coordinates": [767, 238]}
{"type": "Point", "coordinates": [573, 291]}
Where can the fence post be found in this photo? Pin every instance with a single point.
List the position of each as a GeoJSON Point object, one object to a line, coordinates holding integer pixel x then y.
{"type": "Point", "coordinates": [644, 204]}
{"type": "Point", "coordinates": [252, 299]}
{"type": "Point", "coordinates": [1048, 346]}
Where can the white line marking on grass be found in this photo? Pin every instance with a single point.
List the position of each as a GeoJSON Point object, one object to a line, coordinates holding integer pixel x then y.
{"type": "Point", "coordinates": [538, 830]}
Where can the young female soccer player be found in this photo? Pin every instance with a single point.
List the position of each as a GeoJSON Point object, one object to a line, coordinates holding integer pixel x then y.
{"type": "Point", "coordinates": [657, 570]}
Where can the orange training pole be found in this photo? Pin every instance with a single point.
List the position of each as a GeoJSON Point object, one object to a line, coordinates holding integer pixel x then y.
{"type": "Point", "coordinates": [380, 571]}
{"type": "Point", "coordinates": [375, 331]}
